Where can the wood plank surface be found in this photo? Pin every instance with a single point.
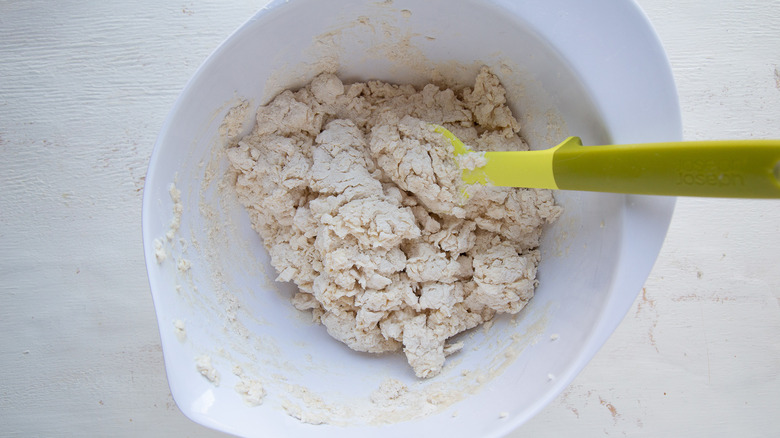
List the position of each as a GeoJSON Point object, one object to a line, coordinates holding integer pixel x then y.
{"type": "Point", "coordinates": [84, 89]}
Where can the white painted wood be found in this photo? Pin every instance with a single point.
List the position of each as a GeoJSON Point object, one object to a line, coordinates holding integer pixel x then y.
{"type": "Point", "coordinates": [699, 353]}
{"type": "Point", "coordinates": [84, 89]}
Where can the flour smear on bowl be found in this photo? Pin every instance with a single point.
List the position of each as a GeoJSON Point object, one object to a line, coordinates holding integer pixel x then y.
{"type": "Point", "coordinates": [360, 204]}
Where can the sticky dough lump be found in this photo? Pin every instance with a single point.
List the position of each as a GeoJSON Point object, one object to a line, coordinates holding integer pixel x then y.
{"type": "Point", "coordinates": [358, 202]}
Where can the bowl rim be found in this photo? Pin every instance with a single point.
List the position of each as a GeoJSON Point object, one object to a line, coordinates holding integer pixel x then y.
{"type": "Point", "coordinates": [662, 207]}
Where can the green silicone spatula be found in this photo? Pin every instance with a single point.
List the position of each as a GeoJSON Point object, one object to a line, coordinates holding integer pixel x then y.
{"type": "Point", "coordinates": [726, 169]}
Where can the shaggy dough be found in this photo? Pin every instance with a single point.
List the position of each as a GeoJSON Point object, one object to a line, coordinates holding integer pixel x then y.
{"type": "Point", "coordinates": [358, 202]}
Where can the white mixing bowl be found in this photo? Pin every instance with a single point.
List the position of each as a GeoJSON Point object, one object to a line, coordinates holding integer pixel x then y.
{"type": "Point", "coordinates": [593, 69]}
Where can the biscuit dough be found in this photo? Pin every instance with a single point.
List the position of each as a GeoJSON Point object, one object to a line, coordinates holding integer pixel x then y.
{"type": "Point", "coordinates": [359, 203]}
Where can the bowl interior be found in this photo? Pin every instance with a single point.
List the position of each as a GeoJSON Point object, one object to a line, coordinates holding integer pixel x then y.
{"type": "Point", "coordinates": [216, 278]}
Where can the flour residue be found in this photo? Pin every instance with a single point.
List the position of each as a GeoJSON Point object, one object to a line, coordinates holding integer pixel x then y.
{"type": "Point", "coordinates": [391, 400]}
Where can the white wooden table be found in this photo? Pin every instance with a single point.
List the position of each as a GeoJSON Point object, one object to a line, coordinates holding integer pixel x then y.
{"type": "Point", "coordinates": [84, 89]}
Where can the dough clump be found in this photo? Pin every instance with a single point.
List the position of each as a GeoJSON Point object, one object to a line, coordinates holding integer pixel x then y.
{"type": "Point", "coordinates": [359, 202]}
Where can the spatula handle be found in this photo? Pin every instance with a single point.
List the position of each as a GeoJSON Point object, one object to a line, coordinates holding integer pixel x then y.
{"type": "Point", "coordinates": [731, 168]}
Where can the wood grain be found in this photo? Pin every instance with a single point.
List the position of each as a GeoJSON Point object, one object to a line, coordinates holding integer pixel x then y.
{"type": "Point", "coordinates": [84, 89]}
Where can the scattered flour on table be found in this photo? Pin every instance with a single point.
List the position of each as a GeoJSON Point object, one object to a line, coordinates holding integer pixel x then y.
{"type": "Point", "coordinates": [358, 202]}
